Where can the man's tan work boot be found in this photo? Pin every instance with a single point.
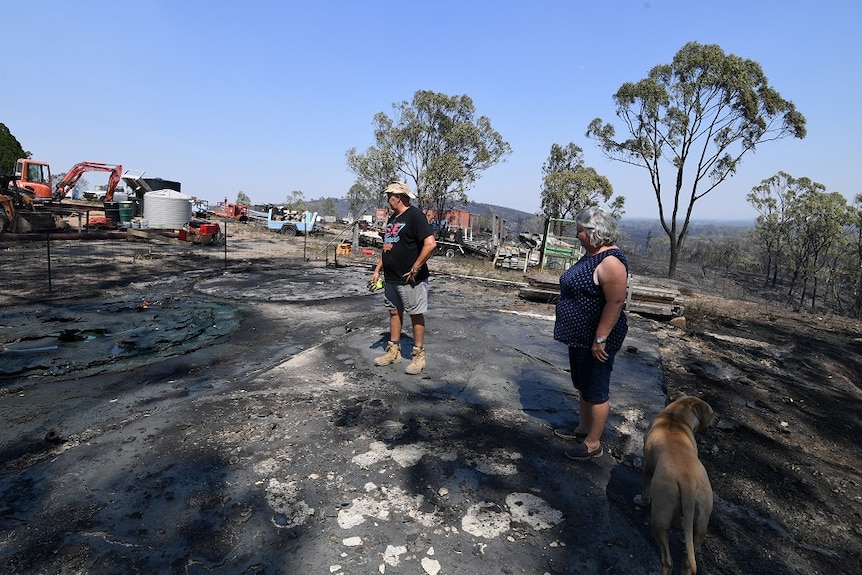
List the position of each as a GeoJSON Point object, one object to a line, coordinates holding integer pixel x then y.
{"type": "Point", "coordinates": [418, 363]}
{"type": "Point", "coordinates": [392, 355]}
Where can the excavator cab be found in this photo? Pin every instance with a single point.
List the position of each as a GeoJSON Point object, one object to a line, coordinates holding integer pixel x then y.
{"type": "Point", "coordinates": [34, 177]}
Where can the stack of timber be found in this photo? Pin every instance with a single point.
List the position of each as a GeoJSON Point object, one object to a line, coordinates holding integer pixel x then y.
{"type": "Point", "coordinates": [515, 257]}
{"type": "Point", "coordinates": [641, 297]}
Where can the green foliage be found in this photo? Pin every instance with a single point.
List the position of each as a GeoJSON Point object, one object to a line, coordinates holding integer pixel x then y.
{"type": "Point", "coordinates": [328, 208]}
{"type": "Point", "coordinates": [295, 201]}
{"type": "Point", "coordinates": [815, 224]}
{"type": "Point", "coordinates": [10, 150]}
{"type": "Point", "coordinates": [533, 225]}
{"type": "Point", "coordinates": [697, 117]}
{"type": "Point", "coordinates": [569, 185]}
{"type": "Point", "coordinates": [362, 199]}
{"type": "Point", "coordinates": [435, 144]}
{"type": "Point", "coordinates": [771, 199]}
{"type": "Point", "coordinates": [374, 170]}
{"type": "Point", "coordinates": [808, 237]}
{"type": "Point", "coordinates": [242, 198]}
{"type": "Point", "coordinates": [723, 253]}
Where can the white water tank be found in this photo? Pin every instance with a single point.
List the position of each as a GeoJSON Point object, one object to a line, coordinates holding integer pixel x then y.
{"type": "Point", "coordinates": [167, 209]}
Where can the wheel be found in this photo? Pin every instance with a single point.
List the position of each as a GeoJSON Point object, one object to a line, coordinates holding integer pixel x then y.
{"type": "Point", "coordinates": [450, 253]}
{"type": "Point", "coordinates": [288, 229]}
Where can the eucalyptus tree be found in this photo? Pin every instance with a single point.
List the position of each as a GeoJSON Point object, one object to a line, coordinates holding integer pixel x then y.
{"type": "Point", "coordinates": [374, 170]}
{"type": "Point", "coordinates": [843, 268]}
{"type": "Point", "coordinates": [569, 185]}
{"type": "Point", "coordinates": [329, 208]}
{"type": "Point", "coordinates": [772, 198]}
{"type": "Point", "coordinates": [361, 200]}
{"type": "Point", "coordinates": [696, 118]}
{"type": "Point", "coordinates": [718, 252]}
{"type": "Point", "coordinates": [435, 144]}
{"type": "Point", "coordinates": [816, 224]}
{"type": "Point", "coordinates": [10, 150]}
{"type": "Point", "coordinates": [295, 200]}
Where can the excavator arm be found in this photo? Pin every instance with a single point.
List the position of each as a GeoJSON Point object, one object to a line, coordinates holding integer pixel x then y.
{"type": "Point", "coordinates": [72, 176]}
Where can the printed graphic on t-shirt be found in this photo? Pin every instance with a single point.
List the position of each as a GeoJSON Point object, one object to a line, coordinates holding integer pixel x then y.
{"type": "Point", "coordinates": [391, 236]}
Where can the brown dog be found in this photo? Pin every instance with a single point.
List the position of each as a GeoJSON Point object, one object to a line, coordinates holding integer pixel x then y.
{"type": "Point", "coordinates": [675, 478]}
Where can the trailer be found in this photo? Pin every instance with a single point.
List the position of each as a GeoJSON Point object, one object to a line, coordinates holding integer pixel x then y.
{"type": "Point", "coordinates": [450, 249]}
{"type": "Point", "coordinates": [290, 225]}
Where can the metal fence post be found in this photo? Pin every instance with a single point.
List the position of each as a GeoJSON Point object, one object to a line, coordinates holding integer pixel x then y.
{"type": "Point", "coordinates": [48, 250]}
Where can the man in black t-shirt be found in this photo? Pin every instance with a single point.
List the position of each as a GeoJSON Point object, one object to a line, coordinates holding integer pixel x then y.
{"type": "Point", "coordinates": [407, 245]}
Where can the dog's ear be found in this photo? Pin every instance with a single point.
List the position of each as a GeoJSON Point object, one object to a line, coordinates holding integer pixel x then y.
{"type": "Point", "coordinates": [704, 413]}
{"type": "Point", "coordinates": [677, 395]}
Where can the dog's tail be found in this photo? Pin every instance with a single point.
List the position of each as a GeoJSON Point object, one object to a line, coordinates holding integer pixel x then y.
{"type": "Point", "coordinates": [688, 499]}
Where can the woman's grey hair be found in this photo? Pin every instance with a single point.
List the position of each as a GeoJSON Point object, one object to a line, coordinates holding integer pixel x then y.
{"type": "Point", "coordinates": [601, 227]}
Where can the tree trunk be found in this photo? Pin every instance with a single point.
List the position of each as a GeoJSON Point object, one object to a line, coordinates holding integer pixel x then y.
{"type": "Point", "coordinates": [814, 294]}
{"type": "Point", "coordinates": [803, 293]}
{"type": "Point", "coordinates": [674, 258]}
{"type": "Point", "coordinates": [768, 268]}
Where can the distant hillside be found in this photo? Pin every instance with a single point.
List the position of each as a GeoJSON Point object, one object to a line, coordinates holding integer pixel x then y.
{"type": "Point", "coordinates": [516, 219]}
{"type": "Point", "coordinates": [637, 229]}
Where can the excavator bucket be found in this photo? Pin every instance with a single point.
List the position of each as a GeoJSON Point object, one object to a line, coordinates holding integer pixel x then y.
{"type": "Point", "coordinates": [17, 221]}
{"type": "Point", "coordinates": [28, 222]}
{"type": "Point", "coordinates": [19, 225]}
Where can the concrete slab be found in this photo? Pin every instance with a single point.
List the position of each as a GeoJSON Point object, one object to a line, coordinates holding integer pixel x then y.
{"type": "Point", "coordinates": [275, 446]}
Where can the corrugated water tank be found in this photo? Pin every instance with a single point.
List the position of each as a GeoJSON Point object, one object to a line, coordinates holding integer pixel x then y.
{"type": "Point", "coordinates": [167, 209]}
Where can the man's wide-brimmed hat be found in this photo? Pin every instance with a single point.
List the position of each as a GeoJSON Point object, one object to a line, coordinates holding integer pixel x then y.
{"type": "Point", "coordinates": [400, 189]}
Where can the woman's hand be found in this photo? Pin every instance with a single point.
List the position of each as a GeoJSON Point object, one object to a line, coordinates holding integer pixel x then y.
{"type": "Point", "coordinates": [599, 352]}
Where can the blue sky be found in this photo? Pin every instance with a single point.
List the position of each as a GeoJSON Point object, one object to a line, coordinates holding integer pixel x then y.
{"type": "Point", "coordinates": [265, 97]}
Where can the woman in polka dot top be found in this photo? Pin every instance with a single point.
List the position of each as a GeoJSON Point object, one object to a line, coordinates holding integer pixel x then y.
{"type": "Point", "coordinates": [590, 320]}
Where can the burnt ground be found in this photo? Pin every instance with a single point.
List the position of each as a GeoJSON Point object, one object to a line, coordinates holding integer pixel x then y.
{"type": "Point", "coordinates": [784, 463]}
{"type": "Point", "coordinates": [230, 421]}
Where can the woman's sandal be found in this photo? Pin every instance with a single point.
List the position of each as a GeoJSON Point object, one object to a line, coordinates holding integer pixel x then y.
{"type": "Point", "coordinates": [581, 452]}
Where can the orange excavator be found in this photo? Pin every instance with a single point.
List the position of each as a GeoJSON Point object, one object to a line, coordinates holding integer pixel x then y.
{"type": "Point", "coordinates": [33, 178]}
{"type": "Point", "coordinates": [17, 207]}
{"type": "Point", "coordinates": [29, 188]}
{"type": "Point", "coordinates": [72, 176]}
